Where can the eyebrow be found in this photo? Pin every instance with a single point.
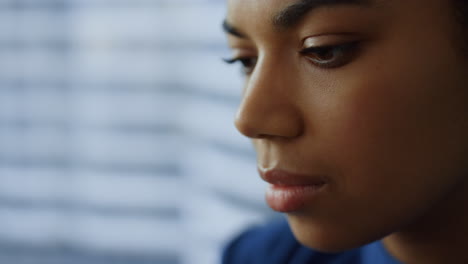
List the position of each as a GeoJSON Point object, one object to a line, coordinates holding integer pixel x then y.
{"type": "Point", "coordinates": [293, 14]}
{"type": "Point", "coordinates": [230, 29]}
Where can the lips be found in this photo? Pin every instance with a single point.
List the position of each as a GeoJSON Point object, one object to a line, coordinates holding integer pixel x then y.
{"type": "Point", "coordinates": [291, 192]}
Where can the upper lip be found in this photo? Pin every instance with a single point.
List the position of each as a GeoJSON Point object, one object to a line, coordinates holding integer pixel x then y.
{"type": "Point", "coordinates": [283, 177]}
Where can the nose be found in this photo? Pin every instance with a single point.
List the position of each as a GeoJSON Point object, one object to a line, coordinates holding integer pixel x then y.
{"type": "Point", "coordinates": [269, 108]}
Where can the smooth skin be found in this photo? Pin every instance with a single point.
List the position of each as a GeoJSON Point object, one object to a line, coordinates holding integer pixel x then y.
{"type": "Point", "coordinates": [382, 112]}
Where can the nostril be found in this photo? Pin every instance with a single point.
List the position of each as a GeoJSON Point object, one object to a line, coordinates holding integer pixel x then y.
{"type": "Point", "coordinates": [244, 128]}
{"type": "Point", "coordinates": [262, 136]}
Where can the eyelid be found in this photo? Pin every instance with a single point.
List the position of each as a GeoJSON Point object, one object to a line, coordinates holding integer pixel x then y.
{"type": "Point", "coordinates": [243, 51]}
{"type": "Point", "coordinates": [248, 63]}
{"type": "Point", "coordinates": [346, 53]}
{"type": "Point", "coordinates": [331, 46]}
{"type": "Point", "coordinates": [241, 54]}
{"type": "Point", "coordinates": [329, 40]}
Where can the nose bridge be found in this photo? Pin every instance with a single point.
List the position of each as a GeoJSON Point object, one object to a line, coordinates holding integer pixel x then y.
{"type": "Point", "coordinates": [268, 107]}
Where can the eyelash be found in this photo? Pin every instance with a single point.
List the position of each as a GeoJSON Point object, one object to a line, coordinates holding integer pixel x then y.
{"type": "Point", "coordinates": [248, 63]}
{"type": "Point", "coordinates": [347, 52]}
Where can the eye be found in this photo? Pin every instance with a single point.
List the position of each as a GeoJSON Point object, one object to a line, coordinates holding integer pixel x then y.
{"type": "Point", "coordinates": [331, 56]}
{"type": "Point", "coordinates": [248, 63]}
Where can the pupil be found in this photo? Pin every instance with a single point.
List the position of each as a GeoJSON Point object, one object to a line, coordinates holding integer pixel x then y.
{"type": "Point", "coordinates": [327, 54]}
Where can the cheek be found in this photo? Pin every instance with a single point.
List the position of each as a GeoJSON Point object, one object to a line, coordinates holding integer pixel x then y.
{"type": "Point", "coordinates": [400, 133]}
{"type": "Point", "coordinates": [398, 110]}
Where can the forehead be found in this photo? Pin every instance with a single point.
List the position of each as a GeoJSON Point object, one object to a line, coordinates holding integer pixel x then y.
{"type": "Point", "coordinates": [258, 6]}
{"type": "Point", "coordinates": [241, 12]}
{"type": "Point", "coordinates": [283, 13]}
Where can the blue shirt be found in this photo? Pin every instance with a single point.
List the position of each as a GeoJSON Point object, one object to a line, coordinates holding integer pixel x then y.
{"type": "Point", "coordinates": [275, 244]}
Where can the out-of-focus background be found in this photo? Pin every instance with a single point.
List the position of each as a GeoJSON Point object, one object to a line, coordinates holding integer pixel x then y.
{"type": "Point", "coordinates": [117, 142]}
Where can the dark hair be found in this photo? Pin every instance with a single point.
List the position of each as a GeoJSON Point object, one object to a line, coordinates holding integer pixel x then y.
{"type": "Point", "coordinates": [461, 14]}
{"type": "Point", "coordinates": [461, 10]}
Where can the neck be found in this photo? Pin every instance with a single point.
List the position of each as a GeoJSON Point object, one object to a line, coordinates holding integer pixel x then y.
{"type": "Point", "coordinates": [441, 237]}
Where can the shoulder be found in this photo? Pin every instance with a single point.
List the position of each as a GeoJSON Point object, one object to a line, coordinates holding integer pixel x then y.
{"type": "Point", "coordinates": [272, 243]}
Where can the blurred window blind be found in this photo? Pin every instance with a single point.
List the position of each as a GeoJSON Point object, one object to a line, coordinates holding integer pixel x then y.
{"type": "Point", "coordinates": [116, 135]}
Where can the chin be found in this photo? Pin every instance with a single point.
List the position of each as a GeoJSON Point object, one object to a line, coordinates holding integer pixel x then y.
{"type": "Point", "coordinates": [327, 238]}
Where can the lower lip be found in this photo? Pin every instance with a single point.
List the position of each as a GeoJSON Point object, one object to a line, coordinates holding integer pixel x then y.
{"type": "Point", "coordinates": [291, 198]}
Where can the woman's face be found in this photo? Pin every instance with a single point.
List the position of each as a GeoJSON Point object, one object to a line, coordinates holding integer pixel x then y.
{"type": "Point", "coordinates": [370, 95]}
